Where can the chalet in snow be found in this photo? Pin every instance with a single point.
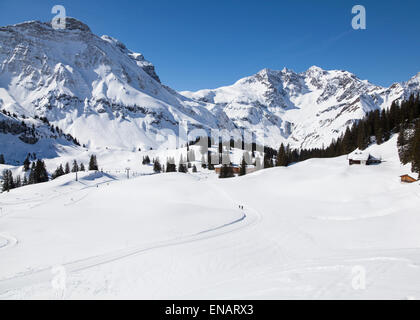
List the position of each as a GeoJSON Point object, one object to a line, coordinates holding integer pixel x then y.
{"type": "Point", "coordinates": [362, 158]}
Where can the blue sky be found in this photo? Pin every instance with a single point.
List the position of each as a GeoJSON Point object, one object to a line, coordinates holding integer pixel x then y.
{"type": "Point", "coordinates": [206, 44]}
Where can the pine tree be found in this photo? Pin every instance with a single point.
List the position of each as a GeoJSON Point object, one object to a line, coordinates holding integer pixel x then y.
{"type": "Point", "coordinates": [32, 174]}
{"type": "Point", "coordinates": [40, 172]}
{"type": "Point", "coordinates": [18, 182]}
{"type": "Point", "coordinates": [2, 159]}
{"type": "Point", "coordinates": [8, 182]}
{"type": "Point", "coordinates": [362, 141]}
{"type": "Point", "coordinates": [267, 161]}
{"type": "Point", "coordinates": [82, 167]}
{"type": "Point", "coordinates": [67, 168]}
{"type": "Point", "coordinates": [170, 165]}
{"type": "Point", "coordinates": [58, 172]}
{"type": "Point", "coordinates": [93, 164]}
{"type": "Point", "coordinates": [194, 169]}
{"type": "Point", "coordinates": [157, 168]}
{"type": "Point", "coordinates": [26, 164]}
{"type": "Point", "coordinates": [75, 167]}
{"type": "Point", "coordinates": [242, 169]}
{"type": "Point", "coordinates": [281, 157]}
{"type": "Point", "coordinates": [182, 168]}
{"type": "Point", "coordinates": [404, 146]}
{"type": "Point", "coordinates": [146, 160]}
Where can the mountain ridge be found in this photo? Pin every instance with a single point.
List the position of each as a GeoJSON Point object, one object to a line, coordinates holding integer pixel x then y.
{"type": "Point", "coordinates": [106, 95]}
{"type": "Point", "coordinates": [294, 101]}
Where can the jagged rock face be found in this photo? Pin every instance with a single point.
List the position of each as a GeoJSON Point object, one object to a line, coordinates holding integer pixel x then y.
{"type": "Point", "coordinates": [306, 109]}
{"type": "Point", "coordinates": [92, 87]}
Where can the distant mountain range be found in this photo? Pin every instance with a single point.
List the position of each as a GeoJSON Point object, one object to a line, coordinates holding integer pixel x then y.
{"type": "Point", "coordinates": [305, 109]}
{"type": "Point", "coordinates": [103, 94]}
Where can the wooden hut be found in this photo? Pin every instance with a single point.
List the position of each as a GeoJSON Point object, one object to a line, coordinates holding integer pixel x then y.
{"type": "Point", "coordinates": [362, 157]}
{"type": "Point", "coordinates": [407, 179]}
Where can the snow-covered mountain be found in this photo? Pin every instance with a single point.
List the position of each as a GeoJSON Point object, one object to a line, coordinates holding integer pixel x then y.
{"type": "Point", "coordinates": [92, 87]}
{"type": "Point", "coordinates": [105, 95]}
{"type": "Point", "coordinates": [306, 109]}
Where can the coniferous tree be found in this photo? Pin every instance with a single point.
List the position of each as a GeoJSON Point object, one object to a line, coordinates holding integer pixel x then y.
{"type": "Point", "coordinates": [194, 169]}
{"type": "Point", "coordinates": [82, 167]}
{"type": "Point", "coordinates": [267, 161]}
{"type": "Point", "coordinates": [67, 168]}
{"type": "Point", "coordinates": [2, 159]}
{"type": "Point", "coordinates": [182, 167]}
{"type": "Point", "coordinates": [18, 182]}
{"type": "Point", "coordinates": [242, 169]}
{"type": "Point", "coordinates": [26, 164]}
{"type": "Point", "coordinates": [8, 182]}
{"type": "Point", "coordinates": [93, 163]}
{"type": "Point", "coordinates": [40, 172]}
{"type": "Point", "coordinates": [146, 160]}
{"type": "Point", "coordinates": [281, 157]}
{"type": "Point", "coordinates": [362, 137]}
{"type": "Point", "coordinates": [404, 144]}
{"type": "Point", "coordinates": [75, 167]}
{"type": "Point", "coordinates": [170, 165]}
{"type": "Point", "coordinates": [32, 174]}
{"type": "Point", "coordinates": [157, 168]}
{"type": "Point", "coordinates": [58, 172]}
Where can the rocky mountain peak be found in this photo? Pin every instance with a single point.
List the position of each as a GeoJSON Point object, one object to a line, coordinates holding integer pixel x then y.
{"type": "Point", "coordinates": [74, 24]}
{"type": "Point", "coordinates": [71, 24]}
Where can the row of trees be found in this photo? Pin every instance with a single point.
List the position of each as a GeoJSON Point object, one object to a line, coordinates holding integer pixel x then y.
{"type": "Point", "coordinates": [171, 166]}
{"type": "Point", "coordinates": [60, 171]}
{"type": "Point", "coordinates": [38, 174]}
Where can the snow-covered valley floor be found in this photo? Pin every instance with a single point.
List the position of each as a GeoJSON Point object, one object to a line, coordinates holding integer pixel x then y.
{"type": "Point", "coordinates": [306, 231]}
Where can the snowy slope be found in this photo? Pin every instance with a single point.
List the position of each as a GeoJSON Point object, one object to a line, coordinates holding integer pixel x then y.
{"type": "Point", "coordinates": [20, 137]}
{"type": "Point", "coordinates": [306, 109]}
{"type": "Point", "coordinates": [303, 231]}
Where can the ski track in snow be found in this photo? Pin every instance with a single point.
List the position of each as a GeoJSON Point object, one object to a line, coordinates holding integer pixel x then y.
{"type": "Point", "coordinates": [7, 241]}
{"type": "Point", "coordinates": [43, 275]}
